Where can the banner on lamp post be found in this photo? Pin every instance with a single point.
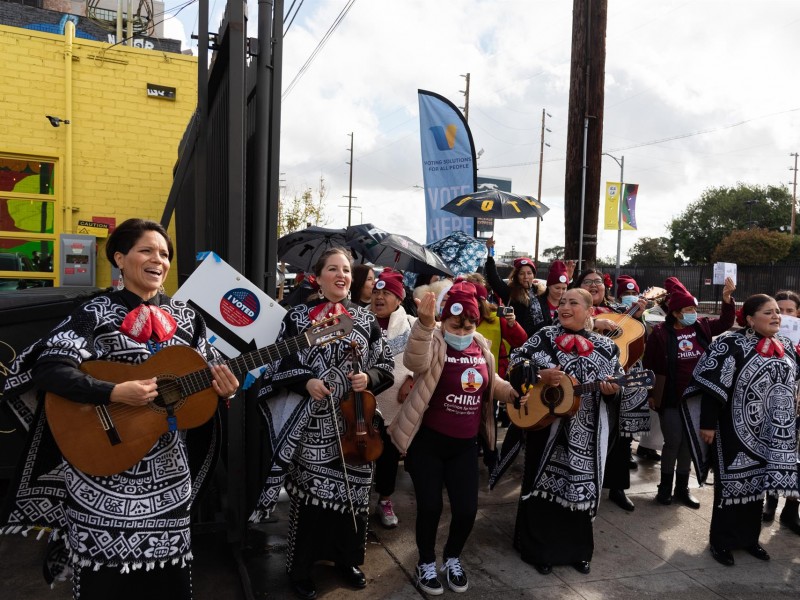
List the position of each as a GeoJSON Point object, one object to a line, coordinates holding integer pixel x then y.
{"type": "Point", "coordinates": [616, 193]}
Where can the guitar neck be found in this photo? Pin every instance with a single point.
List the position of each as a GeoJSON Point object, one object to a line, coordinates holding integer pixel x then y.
{"type": "Point", "coordinates": [201, 380]}
{"type": "Point", "coordinates": [595, 385]}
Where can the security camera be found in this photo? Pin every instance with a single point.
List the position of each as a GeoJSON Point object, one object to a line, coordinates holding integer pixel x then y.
{"type": "Point", "coordinates": [55, 121]}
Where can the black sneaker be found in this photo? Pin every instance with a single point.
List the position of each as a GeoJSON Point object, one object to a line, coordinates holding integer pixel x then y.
{"type": "Point", "coordinates": [456, 578]}
{"type": "Point", "coordinates": [427, 580]}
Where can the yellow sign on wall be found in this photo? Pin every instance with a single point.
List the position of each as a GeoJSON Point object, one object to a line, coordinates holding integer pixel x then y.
{"type": "Point", "coordinates": [99, 230]}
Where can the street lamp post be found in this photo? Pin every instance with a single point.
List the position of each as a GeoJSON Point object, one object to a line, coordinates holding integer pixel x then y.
{"type": "Point", "coordinates": [621, 162]}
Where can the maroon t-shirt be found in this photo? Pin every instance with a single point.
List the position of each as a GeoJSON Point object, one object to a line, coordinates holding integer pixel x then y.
{"type": "Point", "coordinates": [455, 406]}
{"type": "Point", "coordinates": [689, 353]}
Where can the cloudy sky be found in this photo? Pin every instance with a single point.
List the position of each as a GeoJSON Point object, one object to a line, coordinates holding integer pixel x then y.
{"type": "Point", "coordinates": [699, 93]}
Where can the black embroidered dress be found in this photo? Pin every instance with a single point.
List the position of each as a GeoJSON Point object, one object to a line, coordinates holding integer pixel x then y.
{"type": "Point", "coordinates": [564, 462]}
{"type": "Point", "coordinates": [306, 457]}
{"type": "Point", "coordinates": [749, 400]}
{"type": "Point", "coordinates": [137, 519]}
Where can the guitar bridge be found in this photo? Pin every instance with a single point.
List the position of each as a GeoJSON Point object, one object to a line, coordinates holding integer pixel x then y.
{"type": "Point", "coordinates": [107, 424]}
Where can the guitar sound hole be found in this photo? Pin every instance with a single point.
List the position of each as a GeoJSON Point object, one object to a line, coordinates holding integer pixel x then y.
{"type": "Point", "coordinates": [169, 394]}
{"type": "Point", "coordinates": [552, 396]}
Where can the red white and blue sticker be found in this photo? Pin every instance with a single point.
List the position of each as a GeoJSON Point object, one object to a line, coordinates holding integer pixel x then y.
{"type": "Point", "coordinates": [239, 307]}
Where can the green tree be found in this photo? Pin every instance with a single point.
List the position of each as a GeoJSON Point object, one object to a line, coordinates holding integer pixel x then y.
{"type": "Point", "coordinates": [300, 211]}
{"type": "Point", "coordinates": [554, 253]}
{"type": "Point", "coordinates": [699, 229]}
{"type": "Point", "coordinates": [752, 247]}
{"type": "Point", "coordinates": [793, 256]}
{"type": "Point", "coordinates": [653, 251]}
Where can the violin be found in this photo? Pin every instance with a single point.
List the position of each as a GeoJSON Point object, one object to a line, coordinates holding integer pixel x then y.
{"type": "Point", "coordinates": [361, 441]}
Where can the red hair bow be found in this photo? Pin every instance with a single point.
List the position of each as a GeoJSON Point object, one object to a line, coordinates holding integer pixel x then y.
{"type": "Point", "coordinates": [740, 320]}
{"type": "Point", "coordinates": [607, 281]}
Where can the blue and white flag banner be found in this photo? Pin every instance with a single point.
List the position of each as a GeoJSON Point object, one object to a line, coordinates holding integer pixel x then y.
{"type": "Point", "coordinates": [448, 163]}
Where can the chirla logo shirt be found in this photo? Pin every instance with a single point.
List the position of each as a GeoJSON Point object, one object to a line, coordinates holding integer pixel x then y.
{"type": "Point", "coordinates": [455, 407]}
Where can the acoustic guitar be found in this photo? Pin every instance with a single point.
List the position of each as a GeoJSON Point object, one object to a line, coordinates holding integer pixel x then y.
{"type": "Point", "coordinates": [108, 439]}
{"type": "Point", "coordinates": [629, 332]}
{"type": "Point", "coordinates": [547, 402]}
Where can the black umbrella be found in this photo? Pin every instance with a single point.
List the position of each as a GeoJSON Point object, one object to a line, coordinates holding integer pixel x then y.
{"type": "Point", "coordinates": [496, 204]}
{"type": "Point", "coordinates": [302, 249]}
{"type": "Point", "coordinates": [364, 241]}
{"type": "Point", "coordinates": [375, 245]}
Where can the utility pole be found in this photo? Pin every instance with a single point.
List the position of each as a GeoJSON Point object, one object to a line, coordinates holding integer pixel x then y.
{"type": "Point", "coordinates": [585, 130]}
{"type": "Point", "coordinates": [539, 192]}
{"type": "Point", "coordinates": [350, 194]}
{"type": "Point", "coordinates": [466, 98]}
{"type": "Point", "coordinates": [794, 192]}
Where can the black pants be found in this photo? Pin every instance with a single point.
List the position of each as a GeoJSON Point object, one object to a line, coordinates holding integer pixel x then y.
{"type": "Point", "coordinates": [617, 474]}
{"type": "Point", "coordinates": [434, 460]}
{"type": "Point", "coordinates": [386, 465]}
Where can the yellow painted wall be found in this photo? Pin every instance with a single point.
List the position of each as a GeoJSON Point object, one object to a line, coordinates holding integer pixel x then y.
{"type": "Point", "coordinates": [124, 142]}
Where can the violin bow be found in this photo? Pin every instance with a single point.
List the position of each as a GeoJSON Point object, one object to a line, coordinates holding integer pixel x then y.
{"type": "Point", "coordinates": [344, 464]}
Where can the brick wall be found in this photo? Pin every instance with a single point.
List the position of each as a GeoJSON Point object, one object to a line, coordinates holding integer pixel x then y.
{"type": "Point", "coordinates": [124, 142]}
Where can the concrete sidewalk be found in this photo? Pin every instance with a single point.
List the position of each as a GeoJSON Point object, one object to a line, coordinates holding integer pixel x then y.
{"type": "Point", "coordinates": [655, 552]}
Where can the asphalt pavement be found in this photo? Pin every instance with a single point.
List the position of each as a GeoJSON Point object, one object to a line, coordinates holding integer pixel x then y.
{"type": "Point", "coordinates": [654, 552]}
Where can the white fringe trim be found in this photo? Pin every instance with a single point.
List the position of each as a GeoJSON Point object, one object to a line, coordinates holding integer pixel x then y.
{"type": "Point", "coordinates": [580, 506]}
{"type": "Point", "coordinates": [742, 500]}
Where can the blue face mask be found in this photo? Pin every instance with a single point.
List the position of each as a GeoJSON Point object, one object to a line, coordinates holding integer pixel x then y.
{"type": "Point", "coordinates": [628, 300]}
{"type": "Point", "coordinates": [457, 342]}
{"type": "Point", "coordinates": [688, 318]}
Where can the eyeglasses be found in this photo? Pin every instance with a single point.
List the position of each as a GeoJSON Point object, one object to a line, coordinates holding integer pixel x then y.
{"type": "Point", "coordinates": [591, 282]}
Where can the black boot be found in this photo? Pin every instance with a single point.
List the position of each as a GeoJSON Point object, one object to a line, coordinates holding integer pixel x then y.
{"type": "Point", "coordinates": [682, 493]}
{"type": "Point", "coordinates": [664, 495]}
{"type": "Point", "coordinates": [770, 506]}
{"type": "Point", "coordinates": [789, 516]}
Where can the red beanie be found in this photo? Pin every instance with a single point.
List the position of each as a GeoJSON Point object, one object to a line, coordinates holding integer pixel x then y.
{"type": "Point", "coordinates": [524, 261]}
{"type": "Point", "coordinates": [462, 299]}
{"type": "Point", "coordinates": [391, 281]}
{"type": "Point", "coordinates": [679, 297]}
{"type": "Point", "coordinates": [480, 290]}
{"type": "Point", "coordinates": [626, 283]}
{"type": "Point", "coordinates": [558, 273]}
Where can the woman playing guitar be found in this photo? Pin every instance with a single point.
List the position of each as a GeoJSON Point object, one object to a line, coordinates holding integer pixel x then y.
{"type": "Point", "coordinates": [564, 462]}
{"type": "Point", "coordinates": [633, 415]}
{"type": "Point", "coordinates": [103, 518]}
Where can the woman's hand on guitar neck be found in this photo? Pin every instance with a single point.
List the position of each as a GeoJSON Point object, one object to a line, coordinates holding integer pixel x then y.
{"type": "Point", "coordinates": [642, 304]}
{"type": "Point", "coordinates": [224, 382]}
{"type": "Point", "coordinates": [608, 389]}
{"type": "Point", "coordinates": [136, 393]}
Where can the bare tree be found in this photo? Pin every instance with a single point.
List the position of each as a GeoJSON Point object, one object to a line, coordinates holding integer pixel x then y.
{"type": "Point", "coordinates": [300, 211]}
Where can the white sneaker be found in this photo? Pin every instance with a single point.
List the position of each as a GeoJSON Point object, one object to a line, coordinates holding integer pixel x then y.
{"type": "Point", "coordinates": [385, 512]}
{"type": "Point", "coordinates": [456, 578]}
{"type": "Point", "coordinates": [427, 580]}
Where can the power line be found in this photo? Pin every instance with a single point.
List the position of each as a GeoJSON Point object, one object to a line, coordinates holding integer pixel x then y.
{"type": "Point", "coordinates": [662, 140]}
{"type": "Point", "coordinates": [285, 31]}
{"type": "Point", "coordinates": [342, 14]}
